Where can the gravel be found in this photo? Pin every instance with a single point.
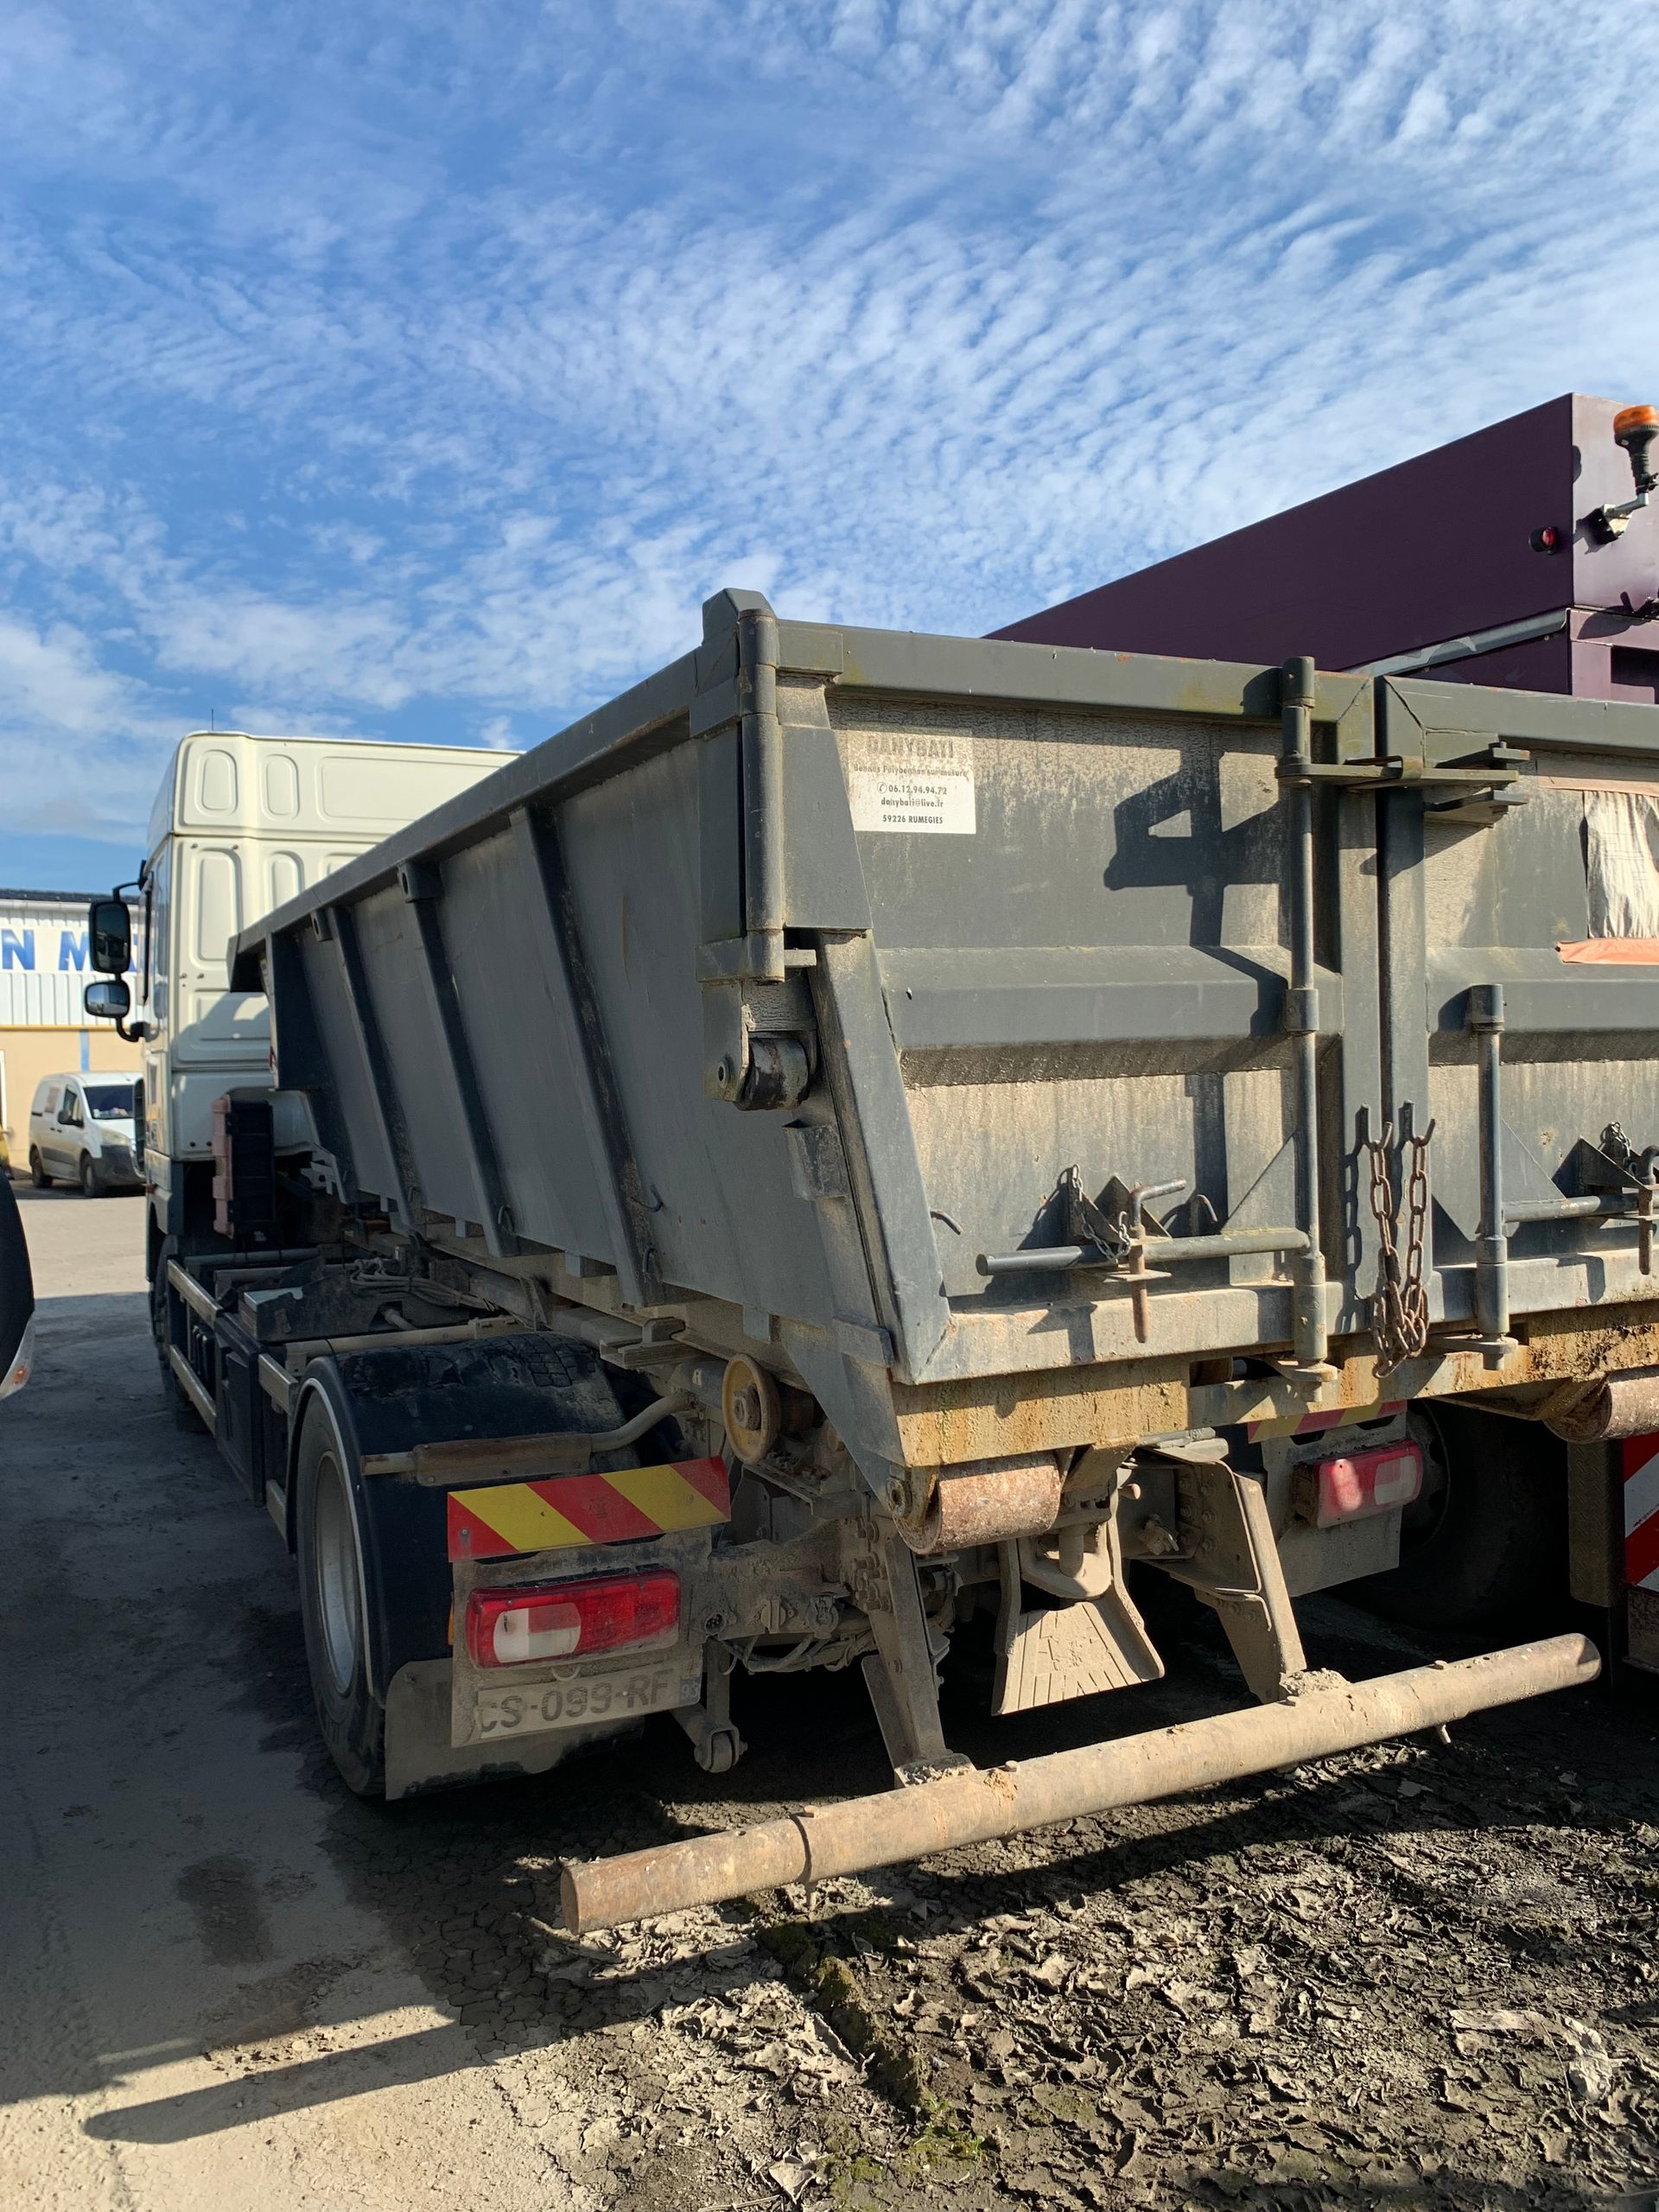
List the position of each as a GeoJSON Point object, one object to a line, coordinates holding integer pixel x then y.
{"type": "Point", "coordinates": [1419, 1975]}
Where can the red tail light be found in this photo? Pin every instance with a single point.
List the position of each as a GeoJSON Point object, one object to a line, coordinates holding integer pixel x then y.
{"type": "Point", "coordinates": [573, 1620]}
{"type": "Point", "coordinates": [1366, 1482]}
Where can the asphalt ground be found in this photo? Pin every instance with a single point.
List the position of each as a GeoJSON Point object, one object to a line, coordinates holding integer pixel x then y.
{"type": "Point", "coordinates": [1421, 1976]}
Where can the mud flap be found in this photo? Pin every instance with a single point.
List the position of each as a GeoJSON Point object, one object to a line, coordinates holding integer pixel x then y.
{"type": "Point", "coordinates": [1071, 1651]}
{"type": "Point", "coordinates": [1096, 1642]}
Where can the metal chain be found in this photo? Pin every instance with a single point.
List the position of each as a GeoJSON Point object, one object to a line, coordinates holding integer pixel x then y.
{"type": "Point", "coordinates": [1617, 1145]}
{"type": "Point", "coordinates": [1400, 1307]}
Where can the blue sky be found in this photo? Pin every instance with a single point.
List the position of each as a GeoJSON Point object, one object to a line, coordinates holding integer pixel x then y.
{"type": "Point", "coordinates": [417, 370]}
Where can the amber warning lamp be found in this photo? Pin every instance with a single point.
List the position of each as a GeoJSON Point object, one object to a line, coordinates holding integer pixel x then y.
{"type": "Point", "coordinates": [1634, 428]}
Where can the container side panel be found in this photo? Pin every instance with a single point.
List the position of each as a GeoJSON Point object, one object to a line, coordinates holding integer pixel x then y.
{"type": "Point", "coordinates": [509, 1006]}
{"type": "Point", "coordinates": [731, 1221]}
{"type": "Point", "coordinates": [417, 1059]}
{"type": "Point", "coordinates": [1556, 900]}
{"type": "Point", "coordinates": [1084, 958]}
{"type": "Point", "coordinates": [988, 1149]}
{"type": "Point", "coordinates": [341, 1069]}
{"type": "Point", "coordinates": [1102, 830]}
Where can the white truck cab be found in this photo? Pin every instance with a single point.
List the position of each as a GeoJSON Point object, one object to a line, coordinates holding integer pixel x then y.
{"type": "Point", "coordinates": [241, 824]}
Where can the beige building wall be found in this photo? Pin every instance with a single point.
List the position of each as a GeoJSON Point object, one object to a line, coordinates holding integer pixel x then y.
{"type": "Point", "coordinates": [26, 1055]}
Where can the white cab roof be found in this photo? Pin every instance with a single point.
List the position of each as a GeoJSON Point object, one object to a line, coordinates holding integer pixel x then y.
{"type": "Point", "coordinates": [231, 783]}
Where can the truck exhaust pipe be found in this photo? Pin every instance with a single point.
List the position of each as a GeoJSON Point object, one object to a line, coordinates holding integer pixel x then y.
{"type": "Point", "coordinates": [1326, 1714]}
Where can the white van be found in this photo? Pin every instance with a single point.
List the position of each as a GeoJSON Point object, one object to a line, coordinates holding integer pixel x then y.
{"type": "Point", "coordinates": [82, 1129]}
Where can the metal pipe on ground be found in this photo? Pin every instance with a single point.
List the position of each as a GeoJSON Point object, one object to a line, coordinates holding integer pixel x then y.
{"type": "Point", "coordinates": [970, 1806]}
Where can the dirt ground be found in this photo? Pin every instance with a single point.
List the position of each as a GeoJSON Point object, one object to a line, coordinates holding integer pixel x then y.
{"type": "Point", "coordinates": [1425, 1976]}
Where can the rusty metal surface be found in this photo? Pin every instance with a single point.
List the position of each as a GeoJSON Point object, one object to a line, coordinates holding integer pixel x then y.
{"type": "Point", "coordinates": [519, 1458]}
{"type": "Point", "coordinates": [1329, 1715]}
{"type": "Point", "coordinates": [989, 1503]}
{"type": "Point", "coordinates": [1623, 1405]}
{"type": "Point", "coordinates": [945, 1424]}
{"type": "Point", "coordinates": [483, 1459]}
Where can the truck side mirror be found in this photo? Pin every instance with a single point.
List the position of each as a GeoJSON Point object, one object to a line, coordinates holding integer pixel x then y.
{"type": "Point", "coordinates": [108, 1001]}
{"type": "Point", "coordinates": [109, 929]}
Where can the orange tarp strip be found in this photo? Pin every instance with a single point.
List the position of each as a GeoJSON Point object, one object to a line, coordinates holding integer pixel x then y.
{"type": "Point", "coordinates": [1613, 951]}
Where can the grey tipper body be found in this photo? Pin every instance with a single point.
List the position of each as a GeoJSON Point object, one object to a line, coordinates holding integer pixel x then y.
{"type": "Point", "coordinates": [870, 1130]}
{"type": "Point", "coordinates": [1087, 966]}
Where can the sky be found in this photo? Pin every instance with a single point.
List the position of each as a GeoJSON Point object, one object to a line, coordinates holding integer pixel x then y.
{"type": "Point", "coordinates": [416, 370]}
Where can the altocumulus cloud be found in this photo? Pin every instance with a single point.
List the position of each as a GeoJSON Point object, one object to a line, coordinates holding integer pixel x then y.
{"type": "Point", "coordinates": [418, 370]}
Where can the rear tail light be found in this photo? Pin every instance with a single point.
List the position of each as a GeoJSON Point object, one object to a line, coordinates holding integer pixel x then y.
{"type": "Point", "coordinates": [1359, 1483]}
{"type": "Point", "coordinates": [573, 1620]}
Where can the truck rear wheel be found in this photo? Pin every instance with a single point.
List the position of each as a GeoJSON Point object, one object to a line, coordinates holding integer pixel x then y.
{"type": "Point", "coordinates": [334, 1611]}
{"type": "Point", "coordinates": [37, 1175]}
{"type": "Point", "coordinates": [1486, 1542]}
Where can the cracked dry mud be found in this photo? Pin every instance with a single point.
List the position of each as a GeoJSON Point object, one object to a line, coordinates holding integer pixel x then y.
{"type": "Point", "coordinates": [1423, 1976]}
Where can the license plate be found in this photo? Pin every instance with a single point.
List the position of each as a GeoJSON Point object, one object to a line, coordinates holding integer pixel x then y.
{"type": "Point", "coordinates": [530, 1707]}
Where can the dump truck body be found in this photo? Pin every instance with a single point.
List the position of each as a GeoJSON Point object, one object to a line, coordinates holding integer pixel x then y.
{"type": "Point", "coordinates": [867, 1129]}
{"type": "Point", "coordinates": [772, 1045]}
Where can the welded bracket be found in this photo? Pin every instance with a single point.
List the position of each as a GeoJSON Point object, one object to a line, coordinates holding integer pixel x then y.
{"type": "Point", "coordinates": [902, 1672]}
{"type": "Point", "coordinates": [1230, 1558]}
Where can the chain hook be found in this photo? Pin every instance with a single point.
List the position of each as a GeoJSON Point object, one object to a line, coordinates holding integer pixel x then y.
{"type": "Point", "coordinates": [1400, 1305]}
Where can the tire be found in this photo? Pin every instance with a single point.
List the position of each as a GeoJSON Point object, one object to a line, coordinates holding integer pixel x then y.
{"type": "Point", "coordinates": [185, 1416]}
{"type": "Point", "coordinates": [37, 1175]}
{"type": "Point", "coordinates": [92, 1185]}
{"type": "Point", "coordinates": [332, 1610]}
{"type": "Point", "coordinates": [1485, 1545]}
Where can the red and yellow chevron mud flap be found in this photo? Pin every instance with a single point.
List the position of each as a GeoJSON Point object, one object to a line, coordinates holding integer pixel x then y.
{"type": "Point", "coordinates": [568, 1511]}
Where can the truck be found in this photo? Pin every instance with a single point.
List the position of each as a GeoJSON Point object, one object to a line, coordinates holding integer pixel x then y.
{"type": "Point", "coordinates": [241, 822]}
{"type": "Point", "coordinates": [869, 1132]}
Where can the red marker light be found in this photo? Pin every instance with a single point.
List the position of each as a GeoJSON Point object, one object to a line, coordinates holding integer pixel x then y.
{"type": "Point", "coordinates": [573, 1620]}
{"type": "Point", "coordinates": [1549, 539]}
{"type": "Point", "coordinates": [1362, 1483]}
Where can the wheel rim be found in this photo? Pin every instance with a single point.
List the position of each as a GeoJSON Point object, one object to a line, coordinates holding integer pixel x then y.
{"type": "Point", "coordinates": [337, 1575]}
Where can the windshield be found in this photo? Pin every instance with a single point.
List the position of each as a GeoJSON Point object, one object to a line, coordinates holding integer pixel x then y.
{"type": "Point", "coordinates": [109, 1101]}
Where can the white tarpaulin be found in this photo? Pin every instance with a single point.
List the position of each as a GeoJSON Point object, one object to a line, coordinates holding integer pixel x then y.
{"type": "Point", "coordinates": [1621, 860]}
